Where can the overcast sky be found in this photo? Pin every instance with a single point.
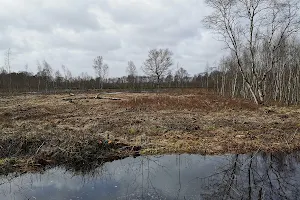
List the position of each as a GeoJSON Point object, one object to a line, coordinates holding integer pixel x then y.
{"type": "Point", "coordinates": [74, 32]}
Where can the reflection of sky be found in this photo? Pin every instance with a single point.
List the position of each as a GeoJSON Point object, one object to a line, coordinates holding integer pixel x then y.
{"type": "Point", "coordinates": [155, 177]}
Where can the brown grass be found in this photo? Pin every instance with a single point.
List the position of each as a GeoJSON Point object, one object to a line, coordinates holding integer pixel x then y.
{"type": "Point", "coordinates": [38, 149]}
{"type": "Point", "coordinates": [38, 130]}
{"type": "Point", "coordinates": [195, 101]}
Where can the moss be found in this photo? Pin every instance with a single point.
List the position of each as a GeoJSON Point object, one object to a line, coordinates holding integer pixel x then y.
{"type": "Point", "coordinates": [10, 161]}
{"type": "Point", "coordinates": [132, 131]}
{"type": "Point", "coordinates": [2, 161]}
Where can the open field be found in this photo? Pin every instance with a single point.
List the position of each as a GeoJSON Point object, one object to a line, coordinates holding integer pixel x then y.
{"type": "Point", "coordinates": [42, 130]}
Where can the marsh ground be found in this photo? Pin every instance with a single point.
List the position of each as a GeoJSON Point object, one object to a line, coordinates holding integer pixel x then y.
{"type": "Point", "coordinates": [73, 128]}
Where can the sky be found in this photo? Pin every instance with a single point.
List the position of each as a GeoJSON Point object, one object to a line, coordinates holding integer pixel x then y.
{"type": "Point", "coordinates": [74, 32]}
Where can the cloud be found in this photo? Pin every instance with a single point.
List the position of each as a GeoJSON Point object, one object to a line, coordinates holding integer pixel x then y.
{"type": "Point", "coordinates": [73, 32]}
{"type": "Point", "coordinates": [157, 177]}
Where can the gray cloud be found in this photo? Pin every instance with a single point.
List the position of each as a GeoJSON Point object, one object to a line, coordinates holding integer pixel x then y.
{"type": "Point", "coordinates": [73, 32]}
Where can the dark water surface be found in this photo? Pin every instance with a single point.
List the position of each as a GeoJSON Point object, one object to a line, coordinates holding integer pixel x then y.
{"type": "Point", "coordinates": [252, 176]}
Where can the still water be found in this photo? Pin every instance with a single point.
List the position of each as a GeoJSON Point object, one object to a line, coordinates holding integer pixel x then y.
{"type": "Point", "coordinates": [252, 176]}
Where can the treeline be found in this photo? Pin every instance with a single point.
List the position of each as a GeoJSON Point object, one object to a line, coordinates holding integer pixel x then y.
{"type": "Point", "coordinates": [280, 84]}
{"type": "Point", "coordinates": [47, 81]}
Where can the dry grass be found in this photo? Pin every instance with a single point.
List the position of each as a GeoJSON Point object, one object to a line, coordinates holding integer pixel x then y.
{"type": "Point", "coordinates": [41, 130]}
{"type": "Point", "coordinates": [199, 101]}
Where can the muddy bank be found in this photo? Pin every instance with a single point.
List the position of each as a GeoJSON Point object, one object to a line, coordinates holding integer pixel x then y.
{"type": "Point", "coordinates": [81, 130]}
{"type": "Point", "coordinates": [21, 152]}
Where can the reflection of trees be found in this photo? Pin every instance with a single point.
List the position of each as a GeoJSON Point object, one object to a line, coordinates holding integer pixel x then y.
{"type": "Point", "coordinates": [263, 176]}
{"type": "Point", "coordinates": [143, 172]}
{"type": "Point", "coordinates": [253, 176]}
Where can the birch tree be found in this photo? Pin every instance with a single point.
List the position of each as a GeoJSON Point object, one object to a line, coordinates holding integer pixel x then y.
{"type": "Point", "coordinates": [101, 70]}
{"type": "Point", "coordinates": [248, 25]}
{"type": "Point", "coordinates": [132, 73]}
{"type": "Point", "coordinates": [47, 74]}
{"type": "Point", "coordinates": [8, 67]}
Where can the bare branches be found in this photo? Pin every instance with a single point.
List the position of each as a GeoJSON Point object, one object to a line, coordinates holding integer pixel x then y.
{"type": "Point", "coordinates": [181, 76]}
{"type": "Point", "coordinates": [158, 63]}
{"type": "Point", "coordinates": [101, 70]}
{"type": "Point", "coordinates": [8, 66]}
{"type": "Point", "coordinates": [246, 25]}
{"type": "Point", "coordinates": [132, 73]}
{"type": "Point", "coordinates": [131, 69]}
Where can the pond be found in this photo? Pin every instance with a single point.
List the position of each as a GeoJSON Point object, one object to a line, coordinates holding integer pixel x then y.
{"type": "Point", "coordinates": [251, 176]}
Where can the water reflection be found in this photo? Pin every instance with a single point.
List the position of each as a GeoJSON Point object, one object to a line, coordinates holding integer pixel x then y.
{"type": "Point", "coordinates": [253, 176]}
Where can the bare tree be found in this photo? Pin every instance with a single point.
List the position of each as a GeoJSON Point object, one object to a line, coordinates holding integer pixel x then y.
{"type": "Point", "coordinates": [169, 78]}
{"type": "Point", "coordinates": [181, 76]}
{"type": "Point", "coordinates": [132, 73]}
{"type": "Point", "coordinates": [67, 76]}
{"type": "Point", "coordinates": [47, 74]}
{"type": "Point", "coordinates": [58, 79]}
{"type": "Point", "coordinates": [26, 77]}
{"type": "Point", "coordinates": [101, 70]}
{"type": "Point", "coordinates": [39, 74]}
{"type": "Point", "coordinates": [158, 63]}
{"type": "Point", "coordinates": [131, 69]}
{"type": "Point", "coordinates": [8, 66]}
{"type": "Point", "coordinates": [246, 26]}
